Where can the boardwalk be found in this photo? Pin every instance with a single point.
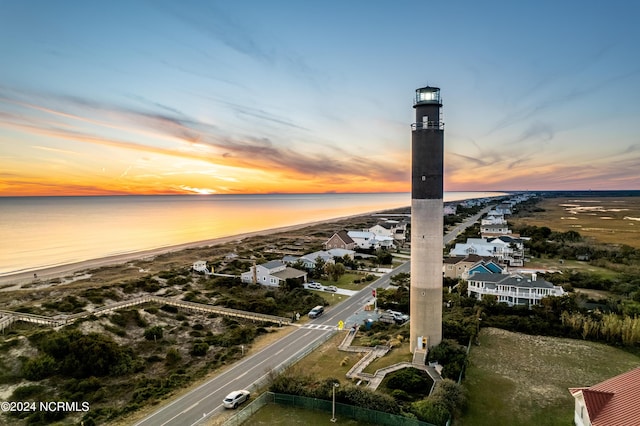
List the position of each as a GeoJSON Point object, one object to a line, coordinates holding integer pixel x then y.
{"type": "Point", "coordinates": [9, 317]}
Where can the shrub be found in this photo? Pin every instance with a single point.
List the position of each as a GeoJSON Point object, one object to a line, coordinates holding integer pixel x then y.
{"type": "Point", "coordinates": [450, 394]}
{"type": "Point", "coordinates": [39, 368]}
{"type": "Point", "coordinates": [153, 333]}
{"type": "Point", "coordinates": [173, 357]}
{"type": "Point", "coordinates": [431, 411]}
{"type": "Point", "coordinates": [408, 379]}
{"type": "Point", "coordinates": [23, 393]}
{"type": "Point", "coordinates": [199, 349]}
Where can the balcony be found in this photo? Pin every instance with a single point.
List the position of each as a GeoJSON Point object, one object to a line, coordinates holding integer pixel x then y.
{"type": "Point", "coordinates": [524, 294]}
{"type": "Point", "coordinates": [432, 125]}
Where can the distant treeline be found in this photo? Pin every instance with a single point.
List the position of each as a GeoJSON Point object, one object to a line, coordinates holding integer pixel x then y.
{"type": "Point", "coordinates": [546, 243]}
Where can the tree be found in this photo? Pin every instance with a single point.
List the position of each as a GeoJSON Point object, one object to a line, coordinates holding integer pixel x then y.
{"type": "Point", "coordinates": [401, 279]}
{"type": "Point", "coordinates": [291, 284]}
{"type": "Point", "coordinates": [334, 270]}
{"type": "Point", "coordinates": [384, 257]}
{"type": "Point", "coordinates": [318, 268]}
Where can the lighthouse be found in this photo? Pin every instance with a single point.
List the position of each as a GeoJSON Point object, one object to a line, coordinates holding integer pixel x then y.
{"type": "Point", "coordinates": [427, 159]}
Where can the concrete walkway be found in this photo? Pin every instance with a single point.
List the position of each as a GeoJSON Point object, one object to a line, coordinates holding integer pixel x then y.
{"type": "Point", "coordinates": [372, 353]}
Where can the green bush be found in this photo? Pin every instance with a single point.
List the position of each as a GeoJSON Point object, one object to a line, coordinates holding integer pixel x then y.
{"type": "Point", "coordinates": [410, 380]}
{"type": "Point", "coordinates": [199, 349]}
{"type": "Point", "coordinates": [173, 357]}
{"type": "Point", "coordinates": [153, 333]}
{"type": "Point", "coordinates": [27, 392]}
{"type": "Point", "coordinates": [82, 355]}
{"type": "Point", "coordinates": [431, 411]}
{"type": "Point", "coordinates": [39, 368]}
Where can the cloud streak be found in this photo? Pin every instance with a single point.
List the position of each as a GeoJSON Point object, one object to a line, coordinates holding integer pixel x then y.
{"type": "Point", "coordinates": [194, 140]}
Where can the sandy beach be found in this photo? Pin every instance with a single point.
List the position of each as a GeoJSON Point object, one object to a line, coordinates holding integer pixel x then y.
{"type": "Point", "coordinates": [14, 281]}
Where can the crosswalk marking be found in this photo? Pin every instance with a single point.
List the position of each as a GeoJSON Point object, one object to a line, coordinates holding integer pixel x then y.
{"type": "Point", "coordinates": [319, 327]}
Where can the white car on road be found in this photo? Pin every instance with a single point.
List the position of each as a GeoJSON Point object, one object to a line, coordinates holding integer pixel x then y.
{"type": "Point", "coordinates": [236, 398]}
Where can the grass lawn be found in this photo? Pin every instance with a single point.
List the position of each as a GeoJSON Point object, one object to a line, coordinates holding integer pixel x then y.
{"type": "Point", "coordinates": [346, 282]}
{"type": "Point", "coordinates": [394, 356]}
{"type": "Point", "coordinates": [571, 266]}
{"type": "Point", "coordinates": [516, 379]}
{"type": "Point", "coordinates": [274, 414]}
{"type": "Point", "coordinates": [326, 361]}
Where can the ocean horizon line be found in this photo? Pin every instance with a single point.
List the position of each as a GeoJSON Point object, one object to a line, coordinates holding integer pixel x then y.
{"type": "Point", "coordinates": [505, 192]}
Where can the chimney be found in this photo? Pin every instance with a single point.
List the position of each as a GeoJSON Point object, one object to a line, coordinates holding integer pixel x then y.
{"type": "Point", "coordinates": [534, 276]}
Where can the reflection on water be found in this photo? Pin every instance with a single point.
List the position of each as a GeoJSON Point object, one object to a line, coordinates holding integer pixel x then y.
{"type": "Point", "coordinates": [46, 231]}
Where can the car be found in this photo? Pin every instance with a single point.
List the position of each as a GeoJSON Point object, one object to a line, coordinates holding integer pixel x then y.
{"type": "Point", "coordinates": [398, 316]}
{"type": "Point", "coordinates": [316, 312]}
{"type": "Point", "coordinates": [236, 398]}
{"type": "Point", "coordinates": [314, 285]}
{"type": "Point", "coordinates": [332, 288]}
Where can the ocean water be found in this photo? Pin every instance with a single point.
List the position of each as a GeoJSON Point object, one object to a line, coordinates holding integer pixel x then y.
{"type": "Point", "coordinates": [38, 232]}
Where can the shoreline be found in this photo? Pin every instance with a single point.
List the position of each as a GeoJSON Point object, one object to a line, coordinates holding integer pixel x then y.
{"type": "Point", "coordinates": [60, 271]}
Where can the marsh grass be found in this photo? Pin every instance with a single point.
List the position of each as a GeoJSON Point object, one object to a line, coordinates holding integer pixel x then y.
{"type": "Point", "coordinates": [612, 220]}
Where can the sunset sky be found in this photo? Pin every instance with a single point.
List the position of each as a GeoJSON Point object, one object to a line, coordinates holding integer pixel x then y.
{"type": "Point", "coordinates": [161, 97]}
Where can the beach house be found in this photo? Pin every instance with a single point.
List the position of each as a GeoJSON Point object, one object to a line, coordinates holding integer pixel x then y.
{"type": "Point", "coordinates": [507, 250]}
{"type": "Point", "coordinates": [391, 228]}
{"type": "Point", "coordinates": [367, 240]}
{"type": "Point", "coordinates": [272, 273]}
{"type": "Point", "coordinates": [309, 260]}
{"type": "Point", "coordinates": [340, 239]}
{"type": "Point", "coordinates": [458, 266]}
{"type": "Point", "coordinates": [512, 289]}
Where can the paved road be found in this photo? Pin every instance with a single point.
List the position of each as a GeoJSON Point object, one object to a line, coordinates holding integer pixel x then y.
{"type": "Point", "coordinates": [250, 373]}
{"type": "Point", "coordinates": [451, 235]}
{"type": "Point", "coordinates": [206, 400]}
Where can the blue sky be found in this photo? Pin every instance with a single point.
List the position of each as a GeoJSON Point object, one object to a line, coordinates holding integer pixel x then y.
{"type": "Point", "coordinates": [284, 96]}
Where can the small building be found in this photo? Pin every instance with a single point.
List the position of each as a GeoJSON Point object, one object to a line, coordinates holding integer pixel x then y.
{"type": "Point", "coordinates": [201, 266]}
{"type": "Point", "coordinates": [272, 273]}
{"type": "Point", "coordinates": [512, 289]}
{"type": "Point", "coordinates": [609, 403]}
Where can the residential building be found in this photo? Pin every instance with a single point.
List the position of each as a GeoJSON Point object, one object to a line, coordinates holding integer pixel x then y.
{"type": "Point", "coordinates": [494, 230]}
{"type": "Point", "coordinates": [272, 273]}
{"type": "Point", "coordinates": [390, 228]}
{"type": "Point", "coordinates": [309, 260]}
{"type": "Point", "coordinates": [503, 208]}
{"type": "Point", "coordinates": [367, 240]}
{"type": "Point", "coordinates": [507, 250]}
{"type": "Point", "coordinates": [450, 209]}
{"type": "Point", "coordinates": [609, 403]}
{"type": "Point", "coordinates": [340, 239]}
{"type": "Point", "coordinates": [456, 267]}
{"type": "Point", "coordinates": [493, 219]}
{"type": "Point", "coordinates": [512, 289]}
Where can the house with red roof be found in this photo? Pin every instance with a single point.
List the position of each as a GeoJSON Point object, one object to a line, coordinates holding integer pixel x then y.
{"type": "Point", "coordinates": [614, 402]}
